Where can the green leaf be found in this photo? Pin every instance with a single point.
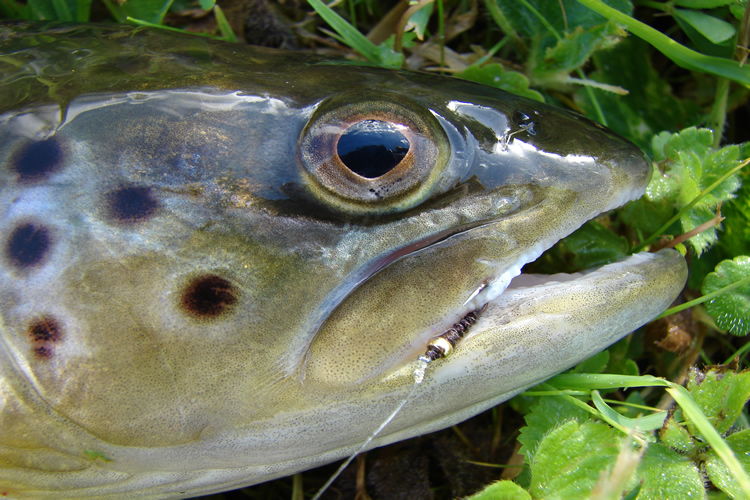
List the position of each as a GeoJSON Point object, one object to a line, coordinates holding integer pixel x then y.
{"type": "Point", "coordinates": [702, 4]}
{"type": "Point", "coordinates": [206, 4]}
{"type": "Point", "coordinates": [583, 382]}
{"type": "Point", "coordinates": [594, 245]}
{"type": "Point", "coordinates": [501, 490]}
{"type": "Point", "coordinates": [667, 474]}
{"type": "Point", "coordinates": [418, 21]}
{"type": "Point", "coordinates": [650, 105]}
{"type": "Point", "coordinates": [570, 458]}
{"type": "Point", "coordinates": [546, 414]}
{"type": "Point", "coordinates": [494, 75]}
{"type": "Point", "coordinates": [649, 422]}
{"type": "Point", "coordinates": [595, 364]}
{"type": "Point", "coordinates": [714, 29]}
{"type": "Point", "coordinates": [676, 436]}
{"type": "Point", "coordinates": [695, 416]}
{"type": "Point", "coordinates": [690, 166]}
{"type": "Point", "coordinates": [720, 393]}
{"type": "Point", "coordinates": [679, 54]}
{"type": "Point", "coordinates": [718, 472]}
{"type": "Point", "coordinates": [730, 310]}
{"type": "Point", "coordinates": [575, 49]}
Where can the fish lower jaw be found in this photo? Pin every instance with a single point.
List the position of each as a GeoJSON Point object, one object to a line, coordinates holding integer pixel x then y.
{"type": "Point", "coordinates": [568, 316]}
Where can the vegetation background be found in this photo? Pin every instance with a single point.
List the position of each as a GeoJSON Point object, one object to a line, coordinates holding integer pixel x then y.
{"type": "Point", "coordinates": [662, 414]}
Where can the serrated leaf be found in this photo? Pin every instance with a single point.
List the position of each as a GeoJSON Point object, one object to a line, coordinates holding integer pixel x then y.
{"type": "Point", "coordinates": [718, 472]}
{"type": "Point", "coordinates": [730, 310]}
{"type": "Point", "coordinates": [546, 414]}
{"type": "Point", "coordinates": [570, 458]}
{"type": "Point", "coordinates": [575, 48]}
{"type": "Point", "coordinates": [501, 490]}
{"type": "Point", "coordinates": [676, 436]}
{"type": "Point", "coordinates": [690, 165]}
{"type": "Point", "coordinates": [720, 393]}
{"type": "Point", "coordinates": [667, 474]}
{"type": "Point", "coordinates": [494, 75]}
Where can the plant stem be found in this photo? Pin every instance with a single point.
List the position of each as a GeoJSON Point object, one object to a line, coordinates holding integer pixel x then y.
{"type": "Point", "coordinates": [718, 115]}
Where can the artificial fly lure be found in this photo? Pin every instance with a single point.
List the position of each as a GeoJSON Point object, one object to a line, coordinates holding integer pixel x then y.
{"type": "Point", "coordinates": [438, 347]}
{"type": "Point", "coordinates": [442, 345]}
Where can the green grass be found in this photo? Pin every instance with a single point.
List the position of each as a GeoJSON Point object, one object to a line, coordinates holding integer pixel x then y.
{"type": "Point", "coordinates": [673, 80]}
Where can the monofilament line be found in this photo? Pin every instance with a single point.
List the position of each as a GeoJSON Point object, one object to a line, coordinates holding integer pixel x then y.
{"type": "Point", "coordinates": [419, 372]}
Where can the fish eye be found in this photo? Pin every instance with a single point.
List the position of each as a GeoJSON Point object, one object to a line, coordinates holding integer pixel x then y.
{"type": "Point", "coordinates": [372, 148]}
{"type": "Point", "coordinates": [372, 156]}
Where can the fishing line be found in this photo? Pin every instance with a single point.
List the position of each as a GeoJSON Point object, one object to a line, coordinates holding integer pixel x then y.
{"type": "Point", "coordinates": [419, 371]}
{"type": "Point", "coordinates": [438, 347]}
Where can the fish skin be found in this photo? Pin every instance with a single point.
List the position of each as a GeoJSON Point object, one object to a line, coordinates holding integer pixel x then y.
{"type": "Point", "coordinates": [189, 307]}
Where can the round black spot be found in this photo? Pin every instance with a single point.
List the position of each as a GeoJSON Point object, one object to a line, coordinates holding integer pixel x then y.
{"type": "Point", "coordinates": [28, 244]}
{"type": "Point", "coordinates": [208, 296]}
{"type": "Point", "coordinates": [43, 333]}
{"type": "Point", "coordinates": [38, 159]}
{"type": "Point", "coordinates": [132, 204]}
{"type": "Point", "coordinates": [372, 148]}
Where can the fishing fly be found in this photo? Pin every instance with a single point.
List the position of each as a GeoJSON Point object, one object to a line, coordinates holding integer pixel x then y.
{"type": "Point", "coordinates": [438, 347]}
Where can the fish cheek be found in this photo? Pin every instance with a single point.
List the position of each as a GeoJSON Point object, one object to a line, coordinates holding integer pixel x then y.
{"type": "Point", "coordinates": [389, 319]}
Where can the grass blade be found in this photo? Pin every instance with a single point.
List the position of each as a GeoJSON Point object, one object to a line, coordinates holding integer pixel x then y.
{"type": "Point", "coordinates": [679, 54]}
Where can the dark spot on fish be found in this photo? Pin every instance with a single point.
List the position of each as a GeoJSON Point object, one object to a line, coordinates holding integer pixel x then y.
{"type": "Point", "coordinates": [28, 244]}
{"type": "Point", "coordinates": [43, 352]}
{"type": "Point", "coordinates": [38, 159]}
{"type": "Point", "coordinates": [44, 332]}
{"type": "Point", "coordinates": [132, 204]}
{"type": "Point", "coordinates": [209, 296]}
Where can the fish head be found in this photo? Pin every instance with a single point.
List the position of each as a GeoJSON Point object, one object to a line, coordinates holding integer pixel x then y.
{"type": "Point", "coordinates": [229, 276]}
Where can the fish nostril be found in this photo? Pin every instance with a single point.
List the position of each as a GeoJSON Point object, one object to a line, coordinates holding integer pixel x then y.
{"type": "Point", "coordinates": [208, 297]}
{"type": "Point", "coordinates": [131, 204]}
{"type": "Point", "coordinates": [36, 160]}
{"type": "Point", "coordinates": [28, 244]}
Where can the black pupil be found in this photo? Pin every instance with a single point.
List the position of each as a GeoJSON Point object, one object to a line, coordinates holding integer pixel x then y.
{"type": "Point", "coordinates": [372, 148]}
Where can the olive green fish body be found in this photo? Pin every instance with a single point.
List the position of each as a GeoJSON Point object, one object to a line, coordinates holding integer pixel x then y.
{"type": "Point", "coordinates": [220, 263]}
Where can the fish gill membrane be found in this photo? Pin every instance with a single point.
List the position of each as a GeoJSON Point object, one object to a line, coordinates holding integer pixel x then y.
{"type": "Point", "coordinates": [211, 276]}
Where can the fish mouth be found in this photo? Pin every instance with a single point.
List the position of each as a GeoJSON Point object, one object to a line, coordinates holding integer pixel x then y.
{"type": "Point", "coordinates": [539, 327]}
